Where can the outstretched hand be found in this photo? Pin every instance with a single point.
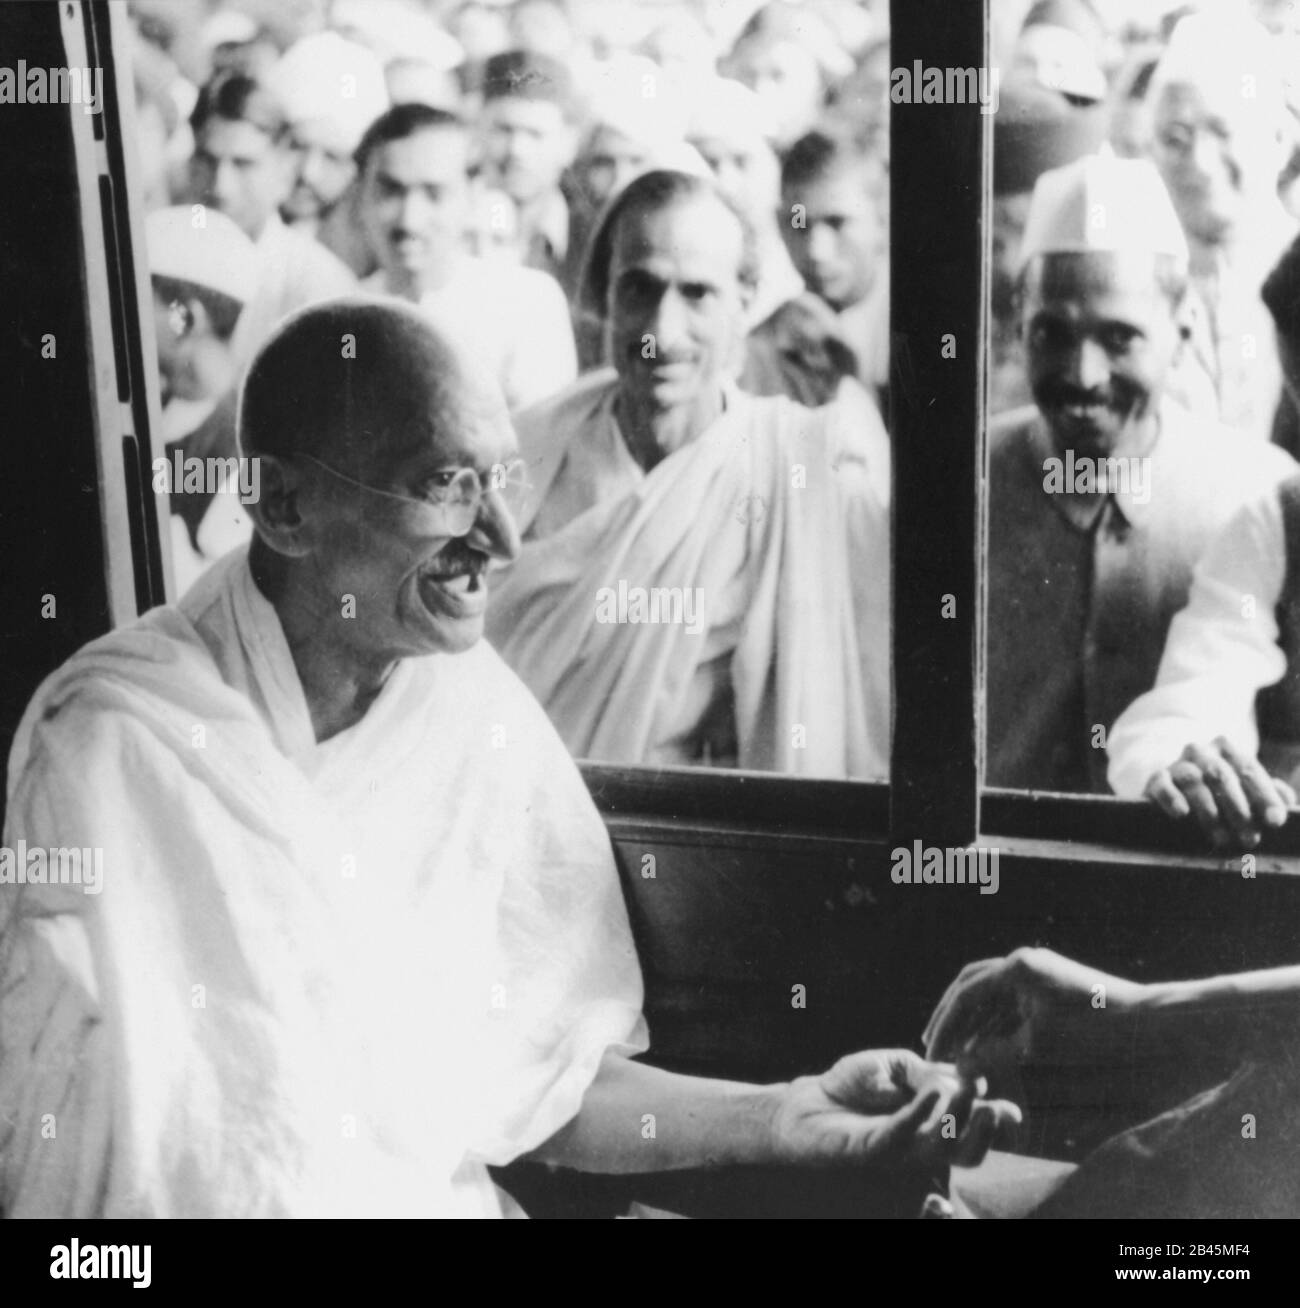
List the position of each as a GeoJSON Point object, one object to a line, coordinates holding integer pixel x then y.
{"type": "Point", "coordinates": [1229, 793]}
{"type": "Point", "coordinates": [1000, 1011]}
{"type": "Point", "coordinates": [889, 1108]}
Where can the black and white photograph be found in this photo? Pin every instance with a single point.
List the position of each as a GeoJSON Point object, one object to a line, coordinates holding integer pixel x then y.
{"type": "Point", "coordinates": [650, 609]}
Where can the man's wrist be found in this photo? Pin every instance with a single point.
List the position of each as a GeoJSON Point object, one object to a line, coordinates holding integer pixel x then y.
{"type": "Point", "coordinates": [770, 1115]}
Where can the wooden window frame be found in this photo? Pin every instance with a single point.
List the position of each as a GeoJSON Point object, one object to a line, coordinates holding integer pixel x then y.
{"type": "Point", "coordinates": [939, 256]}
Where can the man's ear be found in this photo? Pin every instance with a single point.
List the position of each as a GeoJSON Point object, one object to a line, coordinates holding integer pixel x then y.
{"type": "Point", "coordinates": [1184, 325]}
{"type": "Point", "coordinates": [201, 318]}
{"type": "Point", "coordinates": [277, 509]}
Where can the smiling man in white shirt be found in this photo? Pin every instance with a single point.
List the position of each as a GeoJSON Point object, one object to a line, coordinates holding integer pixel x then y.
{"type": "Point", "coordinates": [415, 207]}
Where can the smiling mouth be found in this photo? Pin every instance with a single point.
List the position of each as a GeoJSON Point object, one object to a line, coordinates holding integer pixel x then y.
{"type": "Point", "coordinates": [460, 586]}
{"type": "Point", "coordinates": [1084, 412]}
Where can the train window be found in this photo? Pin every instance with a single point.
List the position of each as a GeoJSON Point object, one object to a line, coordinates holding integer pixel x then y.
{"type": "Point", "coordinates": [740, 625]}
{"type": "Point", "coordinates": [1129, 352]}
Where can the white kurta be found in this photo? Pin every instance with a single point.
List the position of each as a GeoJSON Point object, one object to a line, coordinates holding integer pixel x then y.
{"type": "Point", "coordinates": [773, 518]}
{"type": "Point", "coordinates": [1222, 650]}
{"type": "Point", "coordinates": [331, 979]}
{"type": "Point", "coordinates": [514, 320]}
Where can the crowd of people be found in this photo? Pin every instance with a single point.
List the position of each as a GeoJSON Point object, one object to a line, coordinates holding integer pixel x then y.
{"type": "Point", "coordinates": [1143, 407]}
{"type": "Point", "coordinates": [516, 354]}
{"type": "Point", "coordinates": [663, 229]}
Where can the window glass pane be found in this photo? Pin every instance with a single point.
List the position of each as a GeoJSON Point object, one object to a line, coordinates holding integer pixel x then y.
{"type": "Point", "coordinates": [1143, 174]}
{"type": "Point", "coordinates": [664, 233]}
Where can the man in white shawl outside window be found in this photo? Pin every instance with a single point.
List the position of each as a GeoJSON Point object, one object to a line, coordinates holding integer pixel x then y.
{"type": "Point", "coordinates": [705, 574]}
{"type": "Point", "coordinates": [346, 927]}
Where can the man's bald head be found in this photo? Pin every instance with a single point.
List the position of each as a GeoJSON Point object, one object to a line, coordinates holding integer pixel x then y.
{"type": "Point", "coordinates": [364, 419]}
{"type": "Point", "coordinates": [355, 381]}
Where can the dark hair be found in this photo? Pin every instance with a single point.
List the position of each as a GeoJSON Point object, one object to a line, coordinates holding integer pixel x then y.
{"type": "Point", "coordinates": [658, 189]}
{"type": "Point", "coordinates": [1281, 293]}
{"type": "Point", "coordinates": [818, 154]}
{"type": "Point", "coordinates": [401, 121]}
{"type": "Point", "coordinates": [528, 75]}
{"type": "Point", "coordinates": [238, 99]}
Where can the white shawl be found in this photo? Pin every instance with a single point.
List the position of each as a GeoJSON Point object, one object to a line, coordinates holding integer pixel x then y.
{"type": "Point", "coordinates": [318, 980]}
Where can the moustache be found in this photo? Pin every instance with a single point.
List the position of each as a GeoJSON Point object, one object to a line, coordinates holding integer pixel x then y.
{"type": "Point", "coordinates": [1069, 395]}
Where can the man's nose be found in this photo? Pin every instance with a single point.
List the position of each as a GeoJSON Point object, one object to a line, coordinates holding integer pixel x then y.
{"type": "Point", "coordinates": [225, 183]}
{"type": "Point", "coordinates": [495, 531]}
{"type": "Point", "coordinates": [670, 325]}
{"type": "Point", "coordinates": [414, 211]}
{"type": "Point", "coordinates": [310, 169]}
{"type": "Point", "coordinates": [1089, 366]}
{"type": "Point", "coordinates": [821, 243]}
{"type": "Point", "coordinates": [1206, 155]}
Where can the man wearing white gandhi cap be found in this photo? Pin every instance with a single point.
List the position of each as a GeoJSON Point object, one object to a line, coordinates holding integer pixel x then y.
{"type": "Point", "coordinates": [1218, 120]}
{"type": "Point", "coordinates": [1105, 493]}
{"type": "Point", "coordinates": [202, 275]}
{"type": "Point", "coordinates": [331, 90]}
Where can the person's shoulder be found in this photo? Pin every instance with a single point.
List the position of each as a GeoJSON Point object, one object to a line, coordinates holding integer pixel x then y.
{"type": "Point", "coordinates": [575, 403]}
{"type": "Point", "coordinates": [511, 280]}
{"type": "Point", "coordinates": [1015, 426]}
{"type": "Point", "coordinates": [1013, 437]}
{"type": "Point", "coordinates": [1207, 446]}
{"type": "Point", "coordinates": [158, 659]}
{"type": "Point", "coordinates": [308, 253]}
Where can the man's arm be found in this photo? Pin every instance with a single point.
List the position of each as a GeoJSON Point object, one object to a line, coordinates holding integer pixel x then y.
{"type": "Point", "coordinates": [1190, 743]}
{"type": "Point", "coordinates": [56, 1074]}
{"type": "Point", "coordinates": [1036, 1003]}
{"type": "Point", "coordinates": [888, 1109]}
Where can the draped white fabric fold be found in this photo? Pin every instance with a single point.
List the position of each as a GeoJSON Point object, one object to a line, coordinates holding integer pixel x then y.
{"type": "Point", "coordinates": [332, 979]}
{"type": "Point", "coordinates": [773, 518]}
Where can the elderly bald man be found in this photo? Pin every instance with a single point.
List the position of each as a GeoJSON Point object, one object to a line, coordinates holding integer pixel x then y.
{"type": "Point", "coordinates": [705, 577]}
{"type": "Point", "coordinates": [358, 931]}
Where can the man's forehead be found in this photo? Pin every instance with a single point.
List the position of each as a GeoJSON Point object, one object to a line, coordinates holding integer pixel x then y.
{"type": "Point", "coordinates": [320, 134]}
{"type": "Point", "coordinates": [1213, 102]}
{"type": "Point", "coordinates": [839, 188]}
{"type": "Point", "coordinates": [517, 111]}
{"type": "Point", "coordinates": [452, 433]}
{"type": "Point", "coordinates": [441, 151]}
{"type": "Point", "coordinates": [686, 228]}
{"type": "Point", "coordinates": [233, 136]}
{"type": "Point", "coordinates": [1093, 275]}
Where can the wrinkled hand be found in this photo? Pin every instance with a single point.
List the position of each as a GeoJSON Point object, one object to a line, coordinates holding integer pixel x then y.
{"type": "Point", "coordinates": [1000, 1011]}
{"type": "Point", "coordinates": [1229, 793]}
{"type": "Point", "coordinates": [888, 1108]}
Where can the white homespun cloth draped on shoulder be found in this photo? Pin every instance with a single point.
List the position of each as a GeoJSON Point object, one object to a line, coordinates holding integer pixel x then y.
{"type": "Point", "coordinates": [775, 514]}
{"type": "Point", "coordinates": [319, 979]}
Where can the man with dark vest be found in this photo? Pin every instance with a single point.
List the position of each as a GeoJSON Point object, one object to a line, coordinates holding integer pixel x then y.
{"type": "Point", "coordinates": [1103, 497]}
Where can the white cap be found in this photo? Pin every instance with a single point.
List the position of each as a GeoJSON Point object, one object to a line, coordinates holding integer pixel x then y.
{"type": "Point", "coordinates": [1105, 204]}
{"type": "Point", "coordinates": [324, 77]}
{"type": "Point", "coordinates": [632, 95]}
{"type": "Point", "coordinates": [193, 243]}
{"type": "Point", "coordinates": [1232, 60]}
{"type": "Point", "coordinates": [724, 109]}
{"type": "Point", "coordinates": [397, 30]}
{"type": "Point", "coordinates": [1059, 59]}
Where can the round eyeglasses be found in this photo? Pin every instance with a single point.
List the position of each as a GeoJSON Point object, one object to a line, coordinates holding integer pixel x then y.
{"type": "Point", "coordinates": [451, 507]}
